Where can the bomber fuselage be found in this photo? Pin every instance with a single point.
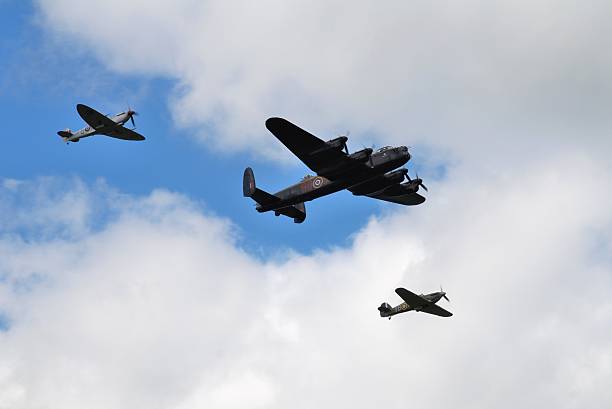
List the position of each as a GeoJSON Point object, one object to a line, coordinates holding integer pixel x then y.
{"type": "Point", "coordinates": [312, 187]}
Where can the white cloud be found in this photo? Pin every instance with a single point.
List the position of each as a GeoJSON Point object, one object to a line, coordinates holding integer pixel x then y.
{"type": "Point", "coordinates": [117, 301]}
{"type": "Point", "coordinates": [159, 306]}
{"type": "Point", "coordinates": [506, 78]}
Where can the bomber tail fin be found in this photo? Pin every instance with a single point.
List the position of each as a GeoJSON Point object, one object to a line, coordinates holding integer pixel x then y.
{"type": "Point", "coordinates": [248, 183]}
{"type": "Point", "coordinates": [249, 189]}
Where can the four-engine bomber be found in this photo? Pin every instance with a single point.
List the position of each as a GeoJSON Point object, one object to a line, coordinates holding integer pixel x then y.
{"type": "Point", "coordinates": [364, 173]}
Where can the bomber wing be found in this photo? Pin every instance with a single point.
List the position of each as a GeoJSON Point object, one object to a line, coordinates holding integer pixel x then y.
{"type": "Point", "coordinates": [314, 152]}
{"type": "Point", "coordinates": [383, 189]}
{"type": "Point", "coordinates": [414, 300]}
{"type": "Point", "coordinates": [106, 126]}
{"type": "Point", "coordinates": [409, 199]}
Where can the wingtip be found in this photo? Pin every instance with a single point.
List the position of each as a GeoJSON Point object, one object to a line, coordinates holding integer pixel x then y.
{"type": "Point", "coordinates": [270, 122]}
{"type": "Point", "coordinates": [82, 109]}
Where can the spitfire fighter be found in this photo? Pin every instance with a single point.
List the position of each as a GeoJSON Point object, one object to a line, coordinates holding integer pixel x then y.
{"type": "Point", "coordinates": [364, 173]}
{"type": "Point", "coordinates": [99, 124]}
{"type": "Point", "coordinates": [412, 302]}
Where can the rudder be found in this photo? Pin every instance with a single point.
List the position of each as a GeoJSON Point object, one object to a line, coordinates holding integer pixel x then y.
{"type": "Point", "coordinates": [248, 183]}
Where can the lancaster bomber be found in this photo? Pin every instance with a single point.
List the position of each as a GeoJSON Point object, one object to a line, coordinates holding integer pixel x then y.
{"type": "Point", "coordinates": [364, 173]}
{"type": "Point", "coordinates": [412, 302]}
{"type": "Point", "coordinates": [99, 124]}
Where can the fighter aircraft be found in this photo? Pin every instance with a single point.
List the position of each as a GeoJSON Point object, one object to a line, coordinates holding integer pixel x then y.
{"type": "Point", "coordinates": [364, 173]}
{"type": "Point", "coordinates": [412, 302]}
{"type": "Point", "coordinates": [99, 124]}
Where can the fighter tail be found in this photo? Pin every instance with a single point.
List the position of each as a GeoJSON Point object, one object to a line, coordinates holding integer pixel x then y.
{"type": "Point", "coordinates": [66, 133]}
{"type": "Point", "coordinates": [249, 189]}
{"type": "Point", "coordinates": [384, 309]}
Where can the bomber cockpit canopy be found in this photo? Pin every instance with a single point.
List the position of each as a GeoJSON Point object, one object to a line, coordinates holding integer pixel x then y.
{"type": "Point", "coordinates": [384, 148]}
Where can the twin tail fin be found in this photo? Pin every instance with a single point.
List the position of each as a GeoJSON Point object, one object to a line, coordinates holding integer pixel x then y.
{"type": "Point", "coordinates": [249, 189]}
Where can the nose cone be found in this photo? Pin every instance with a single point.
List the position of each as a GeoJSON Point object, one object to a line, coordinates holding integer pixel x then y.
{"type": "Point", "coordinates": [404, 152]}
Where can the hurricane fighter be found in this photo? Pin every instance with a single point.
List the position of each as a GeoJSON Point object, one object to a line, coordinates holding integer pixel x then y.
{"type": "Point", "coordinates": [364, 173]}
{"type": "Point", "coordinates": [98, 124]}
{"type": "Point", "coordinates": [412, 302]}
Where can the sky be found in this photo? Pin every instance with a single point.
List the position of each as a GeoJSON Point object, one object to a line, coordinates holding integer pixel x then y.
{"type": "Point", "coordinates": [136, 274]}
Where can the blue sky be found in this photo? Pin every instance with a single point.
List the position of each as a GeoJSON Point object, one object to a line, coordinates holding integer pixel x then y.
{"type": "Point", "coordinates": [42, 81]}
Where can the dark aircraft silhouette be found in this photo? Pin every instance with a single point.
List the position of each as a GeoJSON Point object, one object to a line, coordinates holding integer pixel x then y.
{"type": "Point", "coordinates": [364, 173]}
{"type": "Point", "coordinates": [412, 302]}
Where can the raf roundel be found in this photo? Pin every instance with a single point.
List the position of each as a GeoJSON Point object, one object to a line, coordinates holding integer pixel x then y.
{"type": "Point", "coordinates": [317, 183]}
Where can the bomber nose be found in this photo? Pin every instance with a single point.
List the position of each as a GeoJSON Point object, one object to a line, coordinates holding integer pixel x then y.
{"type": "Point", "coordinates": [404, 152]}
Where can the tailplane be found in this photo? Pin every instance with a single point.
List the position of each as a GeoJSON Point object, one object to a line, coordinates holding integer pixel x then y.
{"type": "Point", "coordinates": [66, 133]}
{"type": "Point", "coordinates": [249, 189]}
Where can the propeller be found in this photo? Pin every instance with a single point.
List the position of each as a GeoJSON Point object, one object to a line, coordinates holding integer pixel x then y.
{"type": "Point", "coordinates": [344, 145]}
{"type": "Point", "coordinates": [131, 115]}
{"type": "Point", "coordinates": [420, 182]}
{"type": "Point", "coordinates": [444, 294]}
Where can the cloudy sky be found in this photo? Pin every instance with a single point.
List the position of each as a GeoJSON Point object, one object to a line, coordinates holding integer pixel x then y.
{"type": "Point", "coordinates": [136, 275]}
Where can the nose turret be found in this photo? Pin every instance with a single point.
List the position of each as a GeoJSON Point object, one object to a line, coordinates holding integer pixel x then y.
{"type": "Point", "coordinates": [403, 150]}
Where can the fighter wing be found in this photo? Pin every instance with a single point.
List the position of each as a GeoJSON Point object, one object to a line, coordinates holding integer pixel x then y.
{"type": "Point", "coordinates": [411, 298]}
{"type": "Point", "coordinates": [314, 152]}
{"type": "Point", "coordinates": [121, 132]}
{"type": "Point", "coordinates": [436, 310]}
{"type": "Point", "coordinates": [95, 119]}
{"type": "Point", "coordinates": [414, 300]}
{"type": "Point", "coordinates": [106, 126]}
{"type": "Point", "coordinates": [409, 199]}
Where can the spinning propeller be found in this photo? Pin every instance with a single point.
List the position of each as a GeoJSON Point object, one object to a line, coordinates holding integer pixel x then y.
{"type": "Point", "coordinates": [131, 115]}
{"type": "Point", "coordinates": [418, 180]}
{"type": "Point", "coordinates": [344, 145]}
{"type": "Point", "coordinates": [444, 294]}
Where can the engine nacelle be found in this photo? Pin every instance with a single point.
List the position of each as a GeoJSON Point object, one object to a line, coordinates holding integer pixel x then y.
{"type": "Point", "coordinates": [337, 143]}
{"type": "Point", "coordinates": [397, 176]}
{"type": "Point", "coordinates": [410, 187]}
{"type": "Point", "coordinates": [362, 155]}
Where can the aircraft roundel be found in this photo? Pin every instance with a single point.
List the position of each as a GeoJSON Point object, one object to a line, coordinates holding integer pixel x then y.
{"type": "Point", "coordinates": [317, 182]}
